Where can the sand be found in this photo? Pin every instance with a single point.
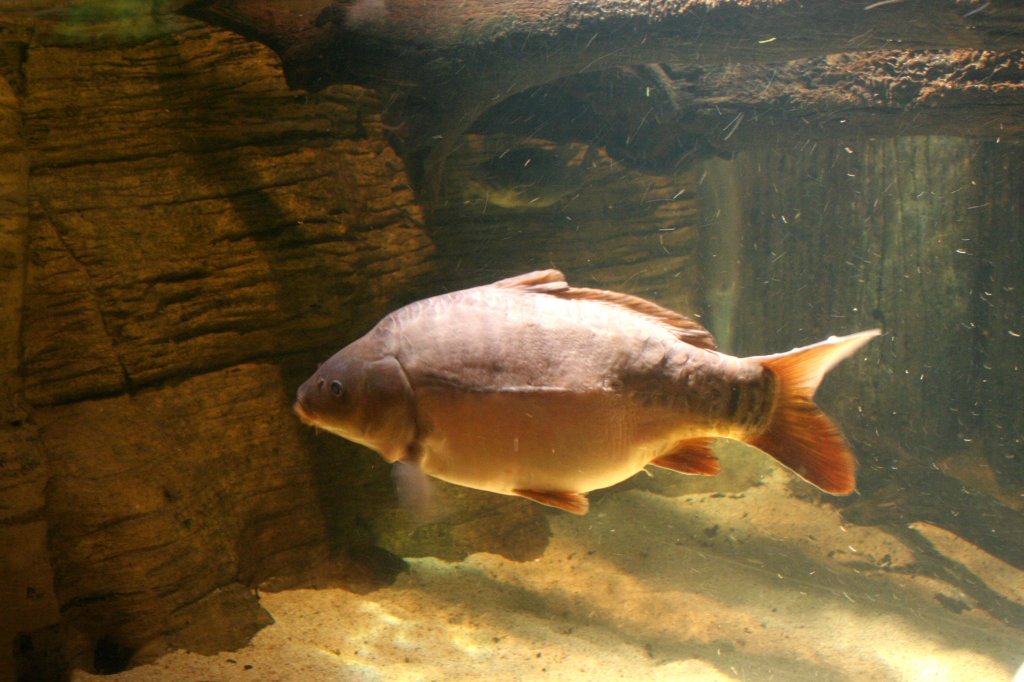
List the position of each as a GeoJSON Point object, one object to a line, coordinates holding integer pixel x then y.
{"type": "Point", "coordinates": [758, 585]}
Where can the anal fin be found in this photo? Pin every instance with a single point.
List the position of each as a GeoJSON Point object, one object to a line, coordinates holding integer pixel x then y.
{"type": "Point", "coordinates": [693, 456]}
{"type": "Point", "coordinates": [574, 503]}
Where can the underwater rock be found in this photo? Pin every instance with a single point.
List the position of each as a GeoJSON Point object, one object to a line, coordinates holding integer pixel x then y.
{"type": "Point", "coordinates": [29, 614]}
{"type": "Point", "coordinates": [148, 517]}
{"type": "Point", "coordinates": [173, 241]}
{"type": "Point", "coordinates": [187, 220]}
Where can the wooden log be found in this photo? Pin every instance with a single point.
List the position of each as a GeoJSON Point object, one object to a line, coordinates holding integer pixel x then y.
{"type": "Point", "coordinates": [848, 96]}
{"type": "Point", "coordinates": [910, 235]}
{"type": "Point", "coordinates": [659, 117]}
{"type": "Point", "coordinates": [888, 93]}
{"type": "Point", "coordinates": [450, 61]}
{"type": "Point", "coordinates": [321, 42]}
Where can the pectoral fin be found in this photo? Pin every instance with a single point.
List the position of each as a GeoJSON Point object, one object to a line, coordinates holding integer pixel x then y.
{"type": "Point", "coordinates": [574, 503]}
{"type": "Point", "coordinates": [692, 456]}
{"type": "Point", "coordinates": [415, 493]}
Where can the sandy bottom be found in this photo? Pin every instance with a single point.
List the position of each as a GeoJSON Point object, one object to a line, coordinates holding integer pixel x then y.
{"type": "Point", "coordinates": [751, 586]}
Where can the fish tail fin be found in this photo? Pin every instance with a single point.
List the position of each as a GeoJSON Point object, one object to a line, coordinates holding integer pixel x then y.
{"type": "Point", "coordinates": [800, 435]}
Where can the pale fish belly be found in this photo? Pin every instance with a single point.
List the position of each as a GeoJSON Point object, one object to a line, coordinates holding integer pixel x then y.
{"type": "Point", "coordinates": [550, 440]}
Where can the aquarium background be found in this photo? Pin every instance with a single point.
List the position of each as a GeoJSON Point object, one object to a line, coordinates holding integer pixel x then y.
{"type": "Point", "coordinates": [196, 208]}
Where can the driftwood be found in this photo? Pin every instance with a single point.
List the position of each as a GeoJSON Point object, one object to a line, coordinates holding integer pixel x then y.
{"type": "Point", "coordinates": [457, 44]}
{"type": "Point", "coordinates": [662, 118]}
{"type": "Point", "coordinates": [921, 236]}
{"type": "Point", "coordinates": [447, 63]}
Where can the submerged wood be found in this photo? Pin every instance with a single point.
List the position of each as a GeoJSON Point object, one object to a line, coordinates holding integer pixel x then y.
{"type": "Point", "coordinates": [321, 41]}
{"type": "Point", "coordinates": [842, 97]}
{"type": "Point", "coordinates": [921, 236]}
{"type": "Point", "coordinates": [448, 62]}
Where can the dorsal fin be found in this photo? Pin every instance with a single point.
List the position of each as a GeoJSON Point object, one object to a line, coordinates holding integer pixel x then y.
{"type": "Point", "coordinates": [552, 282]}
{"type": "Point", "coordinates": [540, 281]}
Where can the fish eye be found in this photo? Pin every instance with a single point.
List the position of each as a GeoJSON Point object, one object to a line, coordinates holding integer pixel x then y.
{"type": "Point", "coordinates": [336, 388]}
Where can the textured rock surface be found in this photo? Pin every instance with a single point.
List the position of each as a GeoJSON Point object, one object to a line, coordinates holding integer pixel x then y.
{"type": "Point", "coordinates": [27, 597]}
{"type": "Point", "coordinates": [191, 222]}
{"type": "Point", "coordinates": [213, 489]}
{"type": "Point", "coordinates": [190, 213]}
{"type": "Point", "coordinates": [920, 236]}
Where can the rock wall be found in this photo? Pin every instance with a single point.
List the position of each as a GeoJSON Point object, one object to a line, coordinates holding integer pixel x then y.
{"type": "Point", "coordinates": [27, 599]}
{"type": "Point", "coordinates": [181, 238]}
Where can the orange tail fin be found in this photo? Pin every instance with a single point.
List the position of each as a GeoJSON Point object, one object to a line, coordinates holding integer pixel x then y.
{"type": "Point", "coordinates": [800, 435]}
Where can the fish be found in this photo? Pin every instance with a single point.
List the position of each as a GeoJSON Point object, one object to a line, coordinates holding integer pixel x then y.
{"type": "Point", "coordinates": [532, 387]}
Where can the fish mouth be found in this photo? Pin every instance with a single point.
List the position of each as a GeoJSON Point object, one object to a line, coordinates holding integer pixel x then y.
{"type": "Point", "coordinates": [304, 414]}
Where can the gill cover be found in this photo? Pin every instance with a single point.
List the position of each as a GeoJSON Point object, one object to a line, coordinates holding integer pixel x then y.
{"type": "Point", "coordinates": [366, 401]}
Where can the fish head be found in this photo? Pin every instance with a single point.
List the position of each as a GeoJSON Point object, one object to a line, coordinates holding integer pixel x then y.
{"type": "Point", "coordinates": [367, 400]}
